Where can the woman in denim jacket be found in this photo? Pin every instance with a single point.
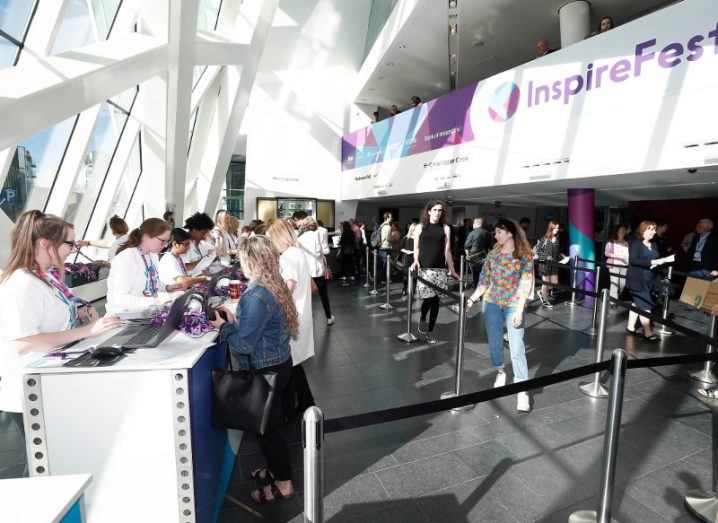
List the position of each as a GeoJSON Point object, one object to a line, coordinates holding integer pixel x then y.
{"type": "Point", "coordinates": [258, 334]}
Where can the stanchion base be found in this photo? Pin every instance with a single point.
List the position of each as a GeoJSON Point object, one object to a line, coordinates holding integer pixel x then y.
{"type": "Point", "coordinates": [373, 292]}
{"type": "Point", "coordinates": [574, 303]}
{"type": "Point", "coordinates": [366, 285]}
{"type": "Point", "coordinates": [593, 331]}
{"type": "Point", "coordinates": [585, 516]}
{"type": "Point", "coordinates": [664, 331]}
{"type": "Point", "coordinates": [706, 376]}
{"type": "Point", "coordinates": [452, 394]}
{"type": "Point", "coordinates": [593, 389]}
{"type": "Point", "coordinates": [407, 337]}
{"type": "Point", "coordinates": [387, 307]}
{"type": "Point", "coordinates": [703, 505]}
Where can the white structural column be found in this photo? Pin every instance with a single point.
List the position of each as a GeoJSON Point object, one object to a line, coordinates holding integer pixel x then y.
{"type": "Point", "coordinates": [262, 13]}
{"type": "Point", "coordinates": [181, 53]}
{"type": "Point", "coordinates": [575, 22]}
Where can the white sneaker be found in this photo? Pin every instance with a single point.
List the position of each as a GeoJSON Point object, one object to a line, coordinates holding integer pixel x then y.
{"type": "Point", "coordinates": [431, 339]}
{"type": "Point", "coordinates": [330, 320]}
{"type": "Point", "coordinates": [500, 379]}
{"type": "Point", "coordinates": [523, 403]}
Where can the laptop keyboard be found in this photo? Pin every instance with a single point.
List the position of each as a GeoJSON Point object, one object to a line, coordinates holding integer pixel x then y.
{"type": "Point", "coordinates": [145, 335]}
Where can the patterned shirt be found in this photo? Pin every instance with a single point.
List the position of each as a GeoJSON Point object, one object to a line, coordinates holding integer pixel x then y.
{"type": "Point", "coordinates": [504, 280]}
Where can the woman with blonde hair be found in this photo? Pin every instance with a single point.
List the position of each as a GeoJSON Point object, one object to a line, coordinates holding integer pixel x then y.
{"type": "Point", "coordinates": [134, 281]}
{"type": "Point", "coordinates": [311, 244]}
{"type": "Point", "coordinates": [507, 281]}
{"type": "Point", "coordinates": [37, 311]}
{"type": "Point", "coordinates": [258, 334]}
{"type": "Point", "coordinates": [407, 253]}
{"type": "Point", "coordinates": [295, 272]}
{"type": "Point", "coordinates": [225, 234]}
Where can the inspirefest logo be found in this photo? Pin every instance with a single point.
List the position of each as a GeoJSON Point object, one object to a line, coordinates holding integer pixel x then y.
{"type": "Point", "coordinates": [504, 102]}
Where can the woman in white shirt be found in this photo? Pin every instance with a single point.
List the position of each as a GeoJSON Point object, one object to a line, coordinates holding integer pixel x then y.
{"type": "Point", "coordinates": [134, 282]}
{"type": "Point", "coordinates": [225, 235]}
{"type": "Point", "coordinates": [38, 312]}
{"type": "Point", "coordinates": [311, 244]}
{"type": "Point", "coordinates": [199, 226]}
{"type": "Point", "coordinates": [295, 272]}
{"type": "Point", "coordinates": [119, 229]}
{"type": "Point", "coordinates": [616, 252]}
{"type": "Point", "coordinates": [171, 266]}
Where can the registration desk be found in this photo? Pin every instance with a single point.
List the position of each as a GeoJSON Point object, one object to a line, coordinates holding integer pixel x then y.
{"type": "Point", "coordinates": [141, 427]}
{"type": "Point", "coordinates": [57, 499]}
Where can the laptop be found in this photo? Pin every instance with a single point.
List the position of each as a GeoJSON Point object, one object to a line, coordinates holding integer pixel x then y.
{"type": "Point", "coordinates": [149, 336]}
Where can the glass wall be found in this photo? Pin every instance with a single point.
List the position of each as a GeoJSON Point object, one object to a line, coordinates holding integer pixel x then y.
{"type": "Point", "coordinates": [95, 164]}
{"type": "Point", "coordinates": [208, 14]}
{"type": "Point", "coordinates": [34, 169]}
{"type": "Point", "coordinates": [15, 17]}
{"type": "Point", "coordinates": [128, 186]}
{"type": "Point", "coordinates": [76, 29]}
{"type": "Point", "coordinates": [234, 186]}
{"type": "Point", "coordinates": [105, 12]}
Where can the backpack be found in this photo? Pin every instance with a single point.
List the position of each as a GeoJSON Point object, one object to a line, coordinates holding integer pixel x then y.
{"type": "Point", "coordinates": [375, 239]}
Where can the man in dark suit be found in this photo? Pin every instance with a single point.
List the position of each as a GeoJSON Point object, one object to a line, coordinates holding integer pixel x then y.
{"type": "Point", "coordinates": [477, 242]}
{"type": "Point", "coordinates": [703, 254]}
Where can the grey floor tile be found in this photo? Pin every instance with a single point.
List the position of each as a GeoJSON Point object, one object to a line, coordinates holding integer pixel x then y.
{"type": "Point", "coordinates": [354, 497]}
{"type": "Point", "coordinates": [402, 512]}
{"type": "Point", "coordinates": [465, 502]}
{"type": "Point", "coordinates": [424, 476]}
{"type": "Point", "coordinates": [427, 447]}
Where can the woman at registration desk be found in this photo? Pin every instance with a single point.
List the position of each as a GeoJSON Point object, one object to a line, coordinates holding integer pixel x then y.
{"type": "Point", "coordinates": [258, 333]}
{"type": "Point", "coordinates": [39, 313]}
{"type": "Point", "coordinates": [172, 268]}
{"type": "Point", "coordinates": [134, 282]}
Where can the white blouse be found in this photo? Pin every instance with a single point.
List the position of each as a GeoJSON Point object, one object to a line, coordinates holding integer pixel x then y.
{"type": "Point", "coordinates": [127, 280]}
{"type": "Point", "coordinates": [293, 266]}
{"type": "Point", "coordinates": [28, 306]}
{"type": "Point", "coordinates": [618, 250]}
{"type": "Point", "coordinates": [170, 267]}
{"type": "Point", "coordinates": [116, 245]}
{"type": "Point", "coordinates": [311, 246]}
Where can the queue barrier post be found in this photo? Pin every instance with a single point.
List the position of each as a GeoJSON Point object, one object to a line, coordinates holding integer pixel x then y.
{"type": "Point", "coordinates": [367, 284]}
{"type": "Point", "coordinates": [610, 445]}
{"type": "Point", "coordinates": [374, 292]}
{"type": "Point", "coordinates": [573, 302]}
{"type": "Point", "coordinates": [312, 441]}
{"type": "Point", "coordinates": [387, 306]}
{"type": "Point", "coordinates": [664, 330]}
{"type": "Point", "coordinates": [408, 336]}
{"type": "Point", "coordinates": [461, 330]}
{"type": "Point", "coordinates": [595, 388]}
{"type": "Point", "coordinates": [704, 505]}
{"type": "Point", "coordinates": [707, 375]}
{"type": "Point", "coordinates": [592, 330]}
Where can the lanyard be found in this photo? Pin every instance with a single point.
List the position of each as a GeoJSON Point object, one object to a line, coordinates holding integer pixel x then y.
{"type": "Point", "coordinates": [53, 280]}
{"type": "Point", "coordinates": [152, 279]}
{"type": "Point", "coordinates": [199, 251]}
{"type": "Point", "coordinates": [183, 268]}
{"type": "Point", "coordinates": [230, 241]}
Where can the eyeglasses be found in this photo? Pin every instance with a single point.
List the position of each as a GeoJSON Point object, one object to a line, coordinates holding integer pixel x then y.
{"type": "Point", "coordinates": [70, 243]}
{"type": "Point", "coordinates": [164, 242]}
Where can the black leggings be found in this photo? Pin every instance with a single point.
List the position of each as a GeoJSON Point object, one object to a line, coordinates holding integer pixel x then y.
{"type": "Point", "coordinates": [323, 295]}
{"type": "Point", "coordinates": [430, 305]}
{"type": "Point", "coordinates": [297, 396]}
{"type": "Point", "coordinates": [273, 444]}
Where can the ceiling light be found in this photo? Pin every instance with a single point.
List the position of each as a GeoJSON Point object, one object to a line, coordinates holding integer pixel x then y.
{"type": "Point", "coordinates": [390, 64]}
{"type": "Point", "coordinates": [478, 43]}
{"type": "Point", "coordinates": [379, 77]}
{"type": "Point", "coordinates": [402, 46]}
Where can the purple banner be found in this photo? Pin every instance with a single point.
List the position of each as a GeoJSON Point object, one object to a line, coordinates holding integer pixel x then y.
{"type": "Point", "coordinates": [442, 122]}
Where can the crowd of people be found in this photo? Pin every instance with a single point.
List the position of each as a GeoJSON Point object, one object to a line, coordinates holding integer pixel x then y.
{"type": "Point", "coordinates": [543, 47]}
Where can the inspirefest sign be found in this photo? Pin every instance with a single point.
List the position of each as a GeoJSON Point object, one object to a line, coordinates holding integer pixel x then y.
{"type": "Point", "coordinates": [594, 103]}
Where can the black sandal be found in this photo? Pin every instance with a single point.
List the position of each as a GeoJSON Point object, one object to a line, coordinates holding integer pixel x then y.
{"type": "Point", "coordinates": [260, 481]}
{"type": "Point", "coordinates": [274, 490]}
{"type": "Point", "coordinates": [652, 338]}
{"type": "Point", "coordinates": [629, 331]}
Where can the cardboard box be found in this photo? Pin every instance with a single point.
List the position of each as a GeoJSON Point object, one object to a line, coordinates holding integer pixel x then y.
{"type": "Point", "coordinates": [701, 294]}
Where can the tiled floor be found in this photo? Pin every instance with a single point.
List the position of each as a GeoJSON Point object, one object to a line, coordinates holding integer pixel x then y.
{"type": "Point", "coordinates": [491, 463]}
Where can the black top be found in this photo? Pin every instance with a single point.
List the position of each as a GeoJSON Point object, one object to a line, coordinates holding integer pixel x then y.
{"type": "Point", "coordinates": [408, 244]}
{"type": "Point", "coordinates": [709, 254]}
{"type": "Point", "coordinates": [346, 242]}
{"type": "Point", "coordinates": [431, 246]}
{"type": "Point", "coordinates": [477, 241]}
{"type": "Point", "coordinates": [639, 265]}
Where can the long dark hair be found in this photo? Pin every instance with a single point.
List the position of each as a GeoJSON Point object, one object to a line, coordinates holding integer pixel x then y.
{"type": "Point", "coordinates": [613, 235]}
{"type": "Point", "coordinates": [150, 227]}
{"type": "Point", "coordinates": [424, 218]}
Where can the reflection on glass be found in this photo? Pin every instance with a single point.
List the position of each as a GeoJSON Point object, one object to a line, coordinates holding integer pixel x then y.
{"type": "Point", "coordinates": [125, 98]}
{"type": "Point", "coordinates": [33, 169]}
{"type": "Point", "coordinates": [208, 14]}
{"type": "Point", "coordinates": [94, 166]}
{"type": "Point", "coordinates": [104, 11]}
{"type": "Point", "coordinates": [128, 182]}
{"type": "Point", "coordinates": [76, 29]}
{"type": "Point", "coordinates": [197, 73]}
{"type": "Point", "coordinates": [14, 15]}
{"type": "Point", "coordinates": [7, 53]}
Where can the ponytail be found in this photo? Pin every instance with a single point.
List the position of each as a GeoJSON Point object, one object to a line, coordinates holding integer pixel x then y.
{"type": "Point", "coordinates": [30, 227]}
{"type": "Point", "coordinates": [151, 227]}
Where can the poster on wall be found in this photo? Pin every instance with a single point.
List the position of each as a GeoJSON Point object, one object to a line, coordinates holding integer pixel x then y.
{"type": "Point", "coordinates": [626, 101]}
{"type": "Point", "coordinates": [286, 207]}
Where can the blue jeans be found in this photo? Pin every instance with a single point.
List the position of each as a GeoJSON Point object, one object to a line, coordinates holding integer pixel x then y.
{"type": "Point", "coordinates": [381, 264]}
{"type": "Point", "coordinates": [495, 317]}
{"type": "Point", "coordinates": [701, 273]}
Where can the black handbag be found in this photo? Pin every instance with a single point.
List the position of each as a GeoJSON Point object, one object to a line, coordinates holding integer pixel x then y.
{"type": "Point", "coordinates": [244, 399]}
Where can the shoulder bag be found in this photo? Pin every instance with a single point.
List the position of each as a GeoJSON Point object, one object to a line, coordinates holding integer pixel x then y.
{"type": "Point", "coordinates": [244, 399]}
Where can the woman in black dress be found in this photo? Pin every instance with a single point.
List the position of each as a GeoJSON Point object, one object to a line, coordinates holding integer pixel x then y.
{"type": "Point", "coordinates": [642, 260]}
{"type": "Point", "coordinates": [346, 251]}
{"type": "Point", "coordinates": [548, 252]}
{"type": "Point", "coordinates": [432, 256]}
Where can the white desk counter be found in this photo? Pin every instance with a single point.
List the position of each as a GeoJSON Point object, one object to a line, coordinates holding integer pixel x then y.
{"type": "Point", "coordinates": [57, 499]}
{"type": "Point", "coordinates": [141, 427]}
